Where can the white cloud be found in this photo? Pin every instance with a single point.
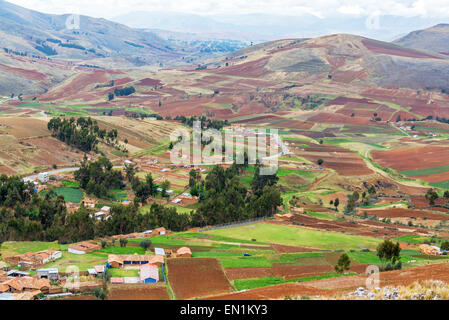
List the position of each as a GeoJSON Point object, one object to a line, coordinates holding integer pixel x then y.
{"type": "Point", "coordinates": [319, 8]}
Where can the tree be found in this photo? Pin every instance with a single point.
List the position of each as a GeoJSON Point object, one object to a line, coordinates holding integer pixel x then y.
{"type": "Point", "coordinates": [431, 196]}
{"type": "Point", "coordinates": [123, 242]}
{"type": "Point", "coordinates": [320, 162]}
{"type": "Point", "coordinates": [110, 96]}
{"type": "Point", "coordinates": [444, 246]}
{"type": "Point", "coordinates": [446, 194]}
{"type": "Point", "coordinates": [165, 186]}
{"type": "Point", "coordinates": [336, 203]}
{"type": "Point", "coordinates": [130, 171]}
{"type": "Point", "coordinates": [343, 263]}
{"type": "Point", "coordinates": [100, 294]}
{"type": "Point", "coordinates": [388, 252]}
{"type": "Point", "coordinates": [104, 243]}
{"type": "Point", "coordinates": [145, 244]}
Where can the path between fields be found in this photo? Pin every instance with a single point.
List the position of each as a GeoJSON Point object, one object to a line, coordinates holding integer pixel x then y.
{"type": "Point", "coordinates": [400, 130]}
{"type": "Point", "coordinates": [318, 181]}
{"type": "Point", "coordinates": [386, 175]}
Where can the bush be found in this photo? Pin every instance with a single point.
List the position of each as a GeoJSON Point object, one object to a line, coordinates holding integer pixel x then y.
{"type": "Point", "coordinates": [145, 244]}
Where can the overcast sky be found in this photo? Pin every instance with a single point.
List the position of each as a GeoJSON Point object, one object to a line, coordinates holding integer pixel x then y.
{"type": "Point", "coordinates": [319, 8]}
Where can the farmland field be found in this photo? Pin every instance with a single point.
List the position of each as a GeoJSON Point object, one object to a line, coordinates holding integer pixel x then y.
{"type": "Point", "coordinates": [266, 232]}
{"type": "Point", "coordinates": [199, 277]}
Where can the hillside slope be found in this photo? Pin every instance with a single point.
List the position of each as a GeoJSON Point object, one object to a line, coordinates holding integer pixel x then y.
{"type": "Point", "coordinates": [340, 57]}
{"type": "Point", "coordinates": [29, 31]}
{"type": "Point", "coordinates": [434, 39]}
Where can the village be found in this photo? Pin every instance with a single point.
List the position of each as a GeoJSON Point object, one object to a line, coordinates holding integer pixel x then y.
{"type": "Point", "coordinates": [28, 276]}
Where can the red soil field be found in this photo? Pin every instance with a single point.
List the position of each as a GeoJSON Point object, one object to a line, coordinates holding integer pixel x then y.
{"type": "Point", "coordinates": [404, 213]}
{"type": "Point", "coordinates": [277, 292]}
{"type": "Point", "coordinates": [294, 272]}
{"type": "Point", "coordinates": [27, 74]}
{"type": "Point", "coordinates": [79, 83]}
{"type": "Point", "coordinates": [345, 162]}
{"type": "Point", "coordinates": [248, 273]}
{"type": "Point", "coordinates": [279, 248]}
{"type": "Point", "coordinates": [385, 48]}
{"type": "Point", "coordinates": [137, 292]}
{"type": "Point", "coordinates": [419, 157]}
{"type": "Point", "coordinates": [247, 69]}
{"type": "Point", "coordinates": [326, 117]}
{"type": "Point", "coordinates": [198, 277]}
{"type": "Point", "coordinates": [149, 82]}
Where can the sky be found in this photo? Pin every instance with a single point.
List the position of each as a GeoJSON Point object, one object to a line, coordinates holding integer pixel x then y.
{"type": "Point", "coordinates": [319, 8]}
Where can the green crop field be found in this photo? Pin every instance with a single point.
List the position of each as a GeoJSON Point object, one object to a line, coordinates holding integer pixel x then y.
{"type": "Point", "coordinates": [69, 194]}
{"type": "Point", "coordinates": [270, 233]}
{"type": "Point", "coordinates": [422, 172]}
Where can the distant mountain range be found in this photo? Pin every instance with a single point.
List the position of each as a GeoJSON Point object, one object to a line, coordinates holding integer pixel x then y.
{"type": "Point", "coordinates": [31, 32]}
{"type": "Point", "coordinates": [267, 27]}
{"type": "Point", "coordinates": [55, 53]}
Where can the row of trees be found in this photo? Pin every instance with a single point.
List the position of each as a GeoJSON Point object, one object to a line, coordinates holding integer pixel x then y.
{"type": "Point", "coordinates": [226, 198]}
{"type": "Point", "coordinates": [82, 133]}
{"type": "Point", "coordinates": [205, 122]}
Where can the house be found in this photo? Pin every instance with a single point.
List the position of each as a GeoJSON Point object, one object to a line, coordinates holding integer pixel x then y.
{"type": "Point", "coordinates": [51, 274]}
{"type": "Point", "coordinates": [115, 261]}
{"type": "Point", "coordinates": [149, 273]}
{"type": "Point", "coordinates": [99, 215]}
{"type": "Point", "coordinates": [157, 260]}
{"type": "Point", "coordinates": [429, 250]}
{"type": "Point", "coordinates": [126, 203]}
{"type": "Point", "coordinates": [92, 272]}
{"type": "Point", "coordinates": [159, 231]}
{"type": "Point", "coordinates": [106, 209]}
{"type": "Point", "coordinates": [159, 251]}
{"type": "Point", "coordinates": [18, 285]}
{"type": "Point", "coordinates": [83, 247]}
{"type": "Point", "coordinates": [117, 280]}
{"type": "Point", "coordinates": [176, 201]}
{"type": "Point", "coordinates": [184, 252]}
{"type": "Point", "coordinates": [99, 269]}
{"type": "Point", "coordinates": [35, 259]}
{"type": "Point", "coordinates": [118, 261]}
{"type": "Point", "coordinates": [43, 177]}
{"type": "Point", "coordinates": [17, 274]}
{"type": "Point", "coordinates": [89, 203]}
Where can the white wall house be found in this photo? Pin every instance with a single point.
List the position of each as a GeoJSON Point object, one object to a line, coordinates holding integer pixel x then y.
{"type": "Point", "coordinates": [43, 177]}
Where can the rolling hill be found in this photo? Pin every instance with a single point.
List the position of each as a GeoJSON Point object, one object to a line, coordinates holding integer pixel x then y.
{"type": "Point", "coordinates": [340, 57]}
{"type": "Point", "coordinates": [435, 39]}
{"type": "Point", "coordinates": [36, 33]}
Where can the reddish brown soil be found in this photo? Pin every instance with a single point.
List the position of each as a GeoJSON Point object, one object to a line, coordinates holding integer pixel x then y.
{"type": "Point", "coordinates": [27, 74]}
{"type": "Point", "coordinates": [391, 49]}
{"type": "Point", "coordinates": [279, 248]}
{"type": "Point", "coordinates": [405, 213]}
{"type": "Point", "coordinates": [137, 292]}
{"type": "Point", "coordinates": [190, 278]}
{"type": "Point", "coordinates": [248, 69]}
{"type": "Point", "coordinates": [149, 82]}
{"type": "Point", "coordinates": [248, 273]}
{"type": "Point", "coordinates": [414, 158]}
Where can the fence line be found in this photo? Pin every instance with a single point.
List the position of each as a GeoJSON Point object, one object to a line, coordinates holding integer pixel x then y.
{"type": "Point", "coordinates": [233, 224]}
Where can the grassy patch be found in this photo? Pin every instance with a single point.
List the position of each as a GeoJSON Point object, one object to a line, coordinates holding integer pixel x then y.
{"type": "Point", "coordinates": [69, 194]}
{"type": "Point", "coordinates": [270, 233]}
{"type": "Point", "coordinates": [422, 172]}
